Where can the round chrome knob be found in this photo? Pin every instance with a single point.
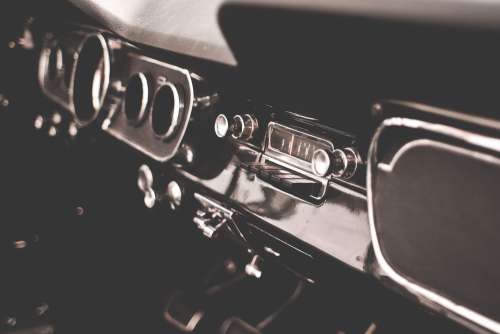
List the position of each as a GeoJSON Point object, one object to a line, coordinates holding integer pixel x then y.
{"type": "Point", "coordinates": [144, 178]}
{"type": "Point", "coordinates": [344, 162]}
{"type": "Point", "coordinates": [149, 198]}
{"type": "Point", "coordinates": [145, 184]}
{"type": "Point", "coordinates": [174, 194]}
{"type": "Point", "coordinates": [221, 126]}
{"type": "Point", "coordinates": [244, 126]}
{"type": "Point", "coordinates": [320, 162]}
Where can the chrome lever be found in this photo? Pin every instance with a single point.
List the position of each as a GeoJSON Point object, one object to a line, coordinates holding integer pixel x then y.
{"type": "Point", "coordinates": [209, 226]}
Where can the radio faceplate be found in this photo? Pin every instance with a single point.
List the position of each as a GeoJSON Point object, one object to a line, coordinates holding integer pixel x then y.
{"type": "Point", "coordinates": [294, 147]}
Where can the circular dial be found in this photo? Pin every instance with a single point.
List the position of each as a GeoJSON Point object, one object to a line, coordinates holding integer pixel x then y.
{"type": "Point", "coordinates": [90, 78]}
{"type": "Point", "coordinates": [165, 112]}
{"type": "Point", "coordinates": [136, 97]}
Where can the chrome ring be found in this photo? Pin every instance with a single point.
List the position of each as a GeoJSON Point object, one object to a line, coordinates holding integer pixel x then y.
{"type": "Point", "coordinates": [96, 95]}
{"type": "Point", "coordinates": [174, 112]}
{"type": "Point", "coordinates": [144, 86]}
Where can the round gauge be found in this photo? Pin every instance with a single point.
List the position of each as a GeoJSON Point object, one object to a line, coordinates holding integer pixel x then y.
{"type": "Point", "coordinates": [136, 97]}
{"type": "Point", "coordinates": [90, 78]}
{"type": "Point", "coordinates": [165, 112]}
{"type": "Point", "coordinates": [55, 63]}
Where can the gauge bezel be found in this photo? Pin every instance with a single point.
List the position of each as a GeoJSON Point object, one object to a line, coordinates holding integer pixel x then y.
{"type": "Point", "coordinates": [174, 112]}
{"type": "Point", "coordinates": [144, 87]}
{"type": "Point", "coordinates": [97, 101]}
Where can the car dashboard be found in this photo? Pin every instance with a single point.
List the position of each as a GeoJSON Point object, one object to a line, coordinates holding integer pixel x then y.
{"type": "Point", "coordinates": [251, 167]}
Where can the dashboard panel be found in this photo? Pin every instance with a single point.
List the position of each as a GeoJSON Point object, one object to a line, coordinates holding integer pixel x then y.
{"type": "Point", "coordinates": [300, 157]}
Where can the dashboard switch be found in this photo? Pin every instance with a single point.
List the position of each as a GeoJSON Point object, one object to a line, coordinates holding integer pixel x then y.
{"type": "Point", "coordinates": [174, 194]}
{"type": "Point", "coordinates": [145, 185]}
{"type": "Point", "coordinates": [252, 269]}
{"type": "Point", "coordinates": [209, 224]}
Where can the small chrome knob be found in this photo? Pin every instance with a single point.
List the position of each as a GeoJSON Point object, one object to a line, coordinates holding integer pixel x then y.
{"type": "Point", "coordinates": [321, 162]}
{"type": "Point", "coordinates": [344, 162]}
{"type": "Point", "coordinates": [244, 126]}
{"type": "Point", "coordinates": [39, 122]}
{"type": "Point", "coordinates": [174, 194]}
{"type": "Point", "coordinates": [145, 184]}
{"type": "Point", "coordinates": [252, 269]}
{"type": "Point", "coordinates": [221, 126]}
{"type": "Point", "coordinates": [144, 178]}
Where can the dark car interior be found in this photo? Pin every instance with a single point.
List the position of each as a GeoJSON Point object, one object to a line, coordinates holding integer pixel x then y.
{"type": "Point", "coordinates": [244, 166]}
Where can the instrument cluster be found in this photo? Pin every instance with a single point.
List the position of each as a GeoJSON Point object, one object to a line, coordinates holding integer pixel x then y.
{"type": "Point", "coordinates": [101, 80]}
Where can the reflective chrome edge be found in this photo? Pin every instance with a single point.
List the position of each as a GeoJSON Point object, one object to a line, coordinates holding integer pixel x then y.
{"type": "Point", "coordinates": [107, 74]}
{"type": "Point", "coordinates": [418, 290]}
{"type": "Point", "coordinates": [43, 63]}
{"type": "Point", "coordinates": [174, 118]}
{"type": "Point", "coordinates": [144, 100]}
{"type": "Point", "coordinates": [289, 160]}
{"type": "Point", "coordinates": [182, 127]}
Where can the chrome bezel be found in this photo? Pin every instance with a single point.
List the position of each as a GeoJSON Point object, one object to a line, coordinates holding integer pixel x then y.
{"type": "Point", "coordinates": [418, 290]}
{"type": "Point", "coordinates": [144, 100]}
{"type": "Point", "coordinates": [218, 132]}
{"type": "Point", "coordinates": [288, 159]}
{"type": "Point", "coordinates": [97, 101]}
{"type": "Point", "coordinates": [239, 119]}
{"type": "Point", "coordinates": [175, 112]}
{"type": "Point", "coordinates": [43, 69]}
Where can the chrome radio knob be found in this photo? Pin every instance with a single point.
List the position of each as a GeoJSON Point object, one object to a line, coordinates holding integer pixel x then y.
{"type": "Point", "coordinates": [241, 126]}
{"type": "Point", "coordinates": [344, 162]}
{"type": "Point", "coordinates": [321, 162]}
{"type": "Point", "coordinates": [221, 126]}
{"type": "Point", "coordinates": [244, 126]}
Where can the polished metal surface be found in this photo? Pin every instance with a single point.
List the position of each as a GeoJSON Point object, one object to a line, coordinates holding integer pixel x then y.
{"type": "Point", "coordinates": [136, 98]}
{"type": "Point", "coordinates": [58, 62]}
{"type": "Point", "coordinates": [145, 185]}
{"type": "Point", "coordinates": [99, 79]}
{"type": "Point", "coordinates": [294, 148]}
{"type": "Point", "coordinates": [174, 194]}
{"type": "Point", "coordinates": [164, 78]}
{"type": "Point", "coordinates": [320, 163]}
{"type": "Point", "coordinates": [345, 162]}
{"type": "Point", "coordinates": [338, 226]}
{"type": "Point", "coordinates": [244, 126]}
{"type": "Point", "coordinates": [221, 126]}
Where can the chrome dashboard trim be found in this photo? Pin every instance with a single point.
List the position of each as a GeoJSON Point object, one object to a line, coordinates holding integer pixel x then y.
{"type": "Point", "coordinates": [144, 101]}
{"type": "Point", "coordinates": [142, 137]}
{"type": "Point", "coordinates": [421, 292]}
{"type": "Point", "coordinates": [66, 101]}
{"type": "Point", "coordinates": [288, 159]}
{"type": "Point", "coordinates": [43, 64]}
{"type": "Point", "coordinates": [174, 118]}
{"type": "Point", "coordinates": [97, 102]}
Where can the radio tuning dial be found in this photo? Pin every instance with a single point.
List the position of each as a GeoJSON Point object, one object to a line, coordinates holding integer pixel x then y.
{"type": "Point", "coordinates": [321, 163]}
{"type": "Point", "coordinates": [341, 163]}
{"type": "Point", "coordinates": [221, 126]}
{"type": "Point", "coordinates": [344, 162]}
{"type": "Point", "coordinates": [241, 127]}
